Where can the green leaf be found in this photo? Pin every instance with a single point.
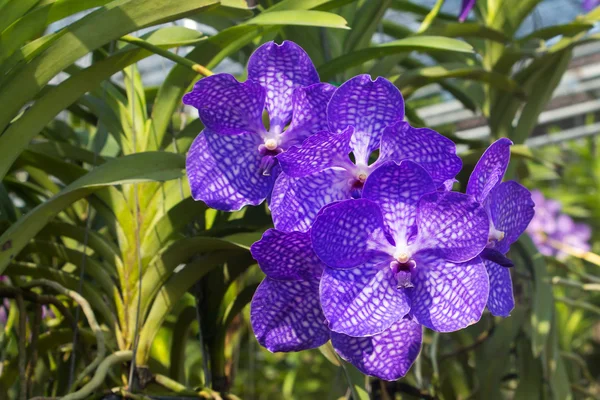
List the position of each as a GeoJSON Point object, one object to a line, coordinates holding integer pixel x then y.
{"type": "Point", "coordinates": [357, 382]}
{"type": "Point", "coordinates": [303, 5]}
{"type": "Point", "coordinates": [530, 372]}
{"type": "Point", "coordinates": [142, 167]}
{"type": "Point", "coordinates": [161, 268]}
{"type": "Point", "coordinates": [494, 348]}
{"type": "Point", "coordinates": [410, 6]}
{"type": "Point", "coordinates": [366, 20]}
{"type": "Point", "coordinates": [94, 30]}
{"type": "Point", "coordinates": [242, 299]}
{"type": "Point", "coordinates": [35, 22]}
{"type": "Point", "coordinates": [89, 291]}
{"type": "Point", "coordinates": [67, 151]}
{"type": "Point", "coordinates": [18, 135]}
{"type": "Point", "coordinates": [300, 17]}
{"type": "Point", "coordinates": [14, 10]}
{"type": "Point", "coordinates": [208, 53]}
{"type": "Point", "coordinates": [543, 300]}
{"type": "Point", "coordinates": [549, 32]}
{"type": "Point", "coordinates": [467, 30]}
{"type": "Point", "coordinates": [555, 370]}
{"type": "Point", "coordinates": [411, 80]}
{"type": "Point", "coordinates": [184, 322]}
{"type": "Point", "coordinates": [419, 43]}
{"type": "Point", "coordinates": [543, 85]}
{"type": "Point", "coordinates": [169, 295]}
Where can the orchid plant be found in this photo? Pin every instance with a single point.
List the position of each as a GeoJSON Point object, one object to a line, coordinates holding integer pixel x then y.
{"type": "Point", "coordinates": [370, 242]}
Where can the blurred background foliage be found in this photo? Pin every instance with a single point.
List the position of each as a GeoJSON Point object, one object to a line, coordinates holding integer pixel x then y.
{"type": "Point", "coordinates": [116, 283]}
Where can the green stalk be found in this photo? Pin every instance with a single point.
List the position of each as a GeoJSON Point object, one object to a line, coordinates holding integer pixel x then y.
{"type": "Point", "coordinates": [200, 69]}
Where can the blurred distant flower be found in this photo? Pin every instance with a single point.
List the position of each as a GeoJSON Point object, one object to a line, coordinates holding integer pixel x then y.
{"type": "Point", "coordinates": [466, 7]}
{"type": "Point", "coordinates": [589, 5]}
{"type": "Point", "coordinates": [549, 224]}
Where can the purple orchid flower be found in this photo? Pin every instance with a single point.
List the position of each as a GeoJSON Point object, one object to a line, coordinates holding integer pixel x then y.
{"type": "Point", "coordinates": [403, 249]}
{"type": "Point", "coordinates": [550, 223]}
{"type": "Point", "coordinates": [510, 209]}
{"type": "Point", "coordinates": [232, 162]}
{"type": "Point", "coordinates": [363, 116]}
{"type": "Point", "coordinates": [465, 9]}
{"type": "Point", "coordinates": [286, 314]}
{"type": "Point", "coordinates": [589, 5]}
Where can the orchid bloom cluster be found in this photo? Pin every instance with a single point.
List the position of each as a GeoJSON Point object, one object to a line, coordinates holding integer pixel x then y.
{"type": "Point", "coordinates": [370, 242]}
{"type": "Point", "coordinates": [551, 225]}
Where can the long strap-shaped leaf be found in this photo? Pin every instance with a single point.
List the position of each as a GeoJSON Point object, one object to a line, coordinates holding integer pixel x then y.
{"type": "Point", "coordinates": [18, 135]}
{"type": "Point", "coordinates": [35, 21]}
{"type": "Point", "coordinates": [423, 43]}
{"type": "Point", "coordinates": [97, 29]}
{"type": "Point", "coordinates": [141, 167]}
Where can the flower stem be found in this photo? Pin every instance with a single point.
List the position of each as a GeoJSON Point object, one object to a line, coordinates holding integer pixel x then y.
{"type": "Point", "coordinates": [93, 385]}
{"type": "Point", "coordinates": [200, 69]}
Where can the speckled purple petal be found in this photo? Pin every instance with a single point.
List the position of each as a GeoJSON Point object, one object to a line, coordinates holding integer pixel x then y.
{"type": "Point", "coordinates": [447, 296]}
{"type": "Point", "coordinates": [227, 106]}
{"type": "Point", "coordinates": [453, 224]}
{"type": "Point", "coordinates": [426, 147]}
{"type": "Point", "coordinates": [349, 233]}
{"type": "Point", "coordinates": [511, 210]}
{"type": "Point", "coordinates": [322, 150]}
{"type": "Point", "coordinates": [281, 68]}
{"type": "Point", "coordinates": [295, 202]}
{"type": "Point", "coordinates": [309, 113]}
{"type": "Point", "coordinates": [489, 169]}
{"type": "Point", "coordinates": [362, 301]}
{"type": "Point", "coordinates": [387, 355]}
{"type": "Point", "coordinates": [286, 315]}
{"type": "Point", "coordinates": [369, 106]}
{"type": "Point", "coordinates": [287, 256]}
{"type": "Point", "coordinates": [223, 171]}
{"type": "Point", "coordinates": [397, 188]}
{"type": "Point", "coordinates": [500, 301]}
{"type": "Point", "coordinates": [588, 5]}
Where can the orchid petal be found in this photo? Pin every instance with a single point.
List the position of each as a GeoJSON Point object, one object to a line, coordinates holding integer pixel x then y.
{"type": "Point", "coordinates": [295, 202]}
{"type": "Point", "coordinates": [286, 315]}
{"type": "Point", "coordinates": [362, 301]}
{"type": "Point", "coordinates": [500, 301]}
{"type": "Point", "coordinates": [321, 150]}
{"type": "Point", "coordinates": [426, 147]}
{"type": "Point", "coordinates": [287, 256]}
{"type": "Point", "coordinates": [281, 68]}
{"type": "Point", "coordinates": [309, 114]}
{"type": "Point", "coordinates": [448, 296]}
{"type": "Point", "coordinates": [224, 171]}
{"type": "Point", "coordinates": [511, 210]}
{"type": "Point", "coordinates": [453, 224]}
{"type": "Point", "coordinates": [227, 106]}
{"type": "Point", "coordinates": [387, 355]}
{"type": "Point", "coordinates": [368, 106]}
{"type": "Point", "coordinates": [489, 169]}
{"type": "Point", "coordinates": [349, 233]}
{"type": "Point", "coordinates": [397, 188]}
